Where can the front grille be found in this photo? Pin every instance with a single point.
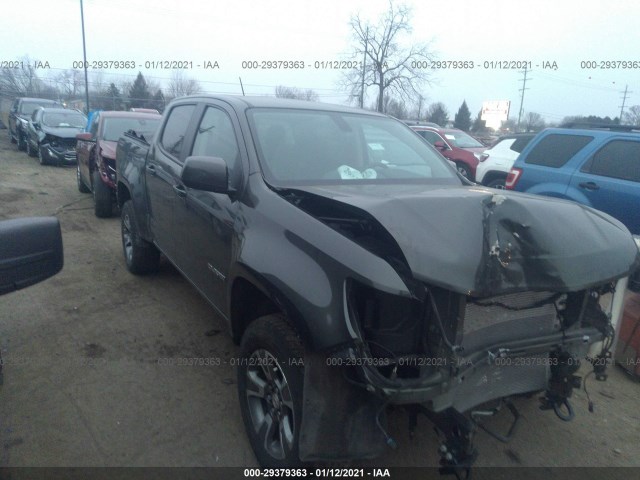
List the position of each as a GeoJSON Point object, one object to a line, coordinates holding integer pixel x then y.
{"type": "Point", "coordinates": [503, 318]}
{"type": "Point", "coordinates": [70, 156]}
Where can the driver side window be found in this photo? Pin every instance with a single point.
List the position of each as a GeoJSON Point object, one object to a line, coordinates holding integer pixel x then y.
{"type": "Point", "coordinates": [216, 138]}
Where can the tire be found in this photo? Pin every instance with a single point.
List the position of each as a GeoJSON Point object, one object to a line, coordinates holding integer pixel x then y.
{"type": "Point", "coordinates": [22, 144]}
{"type": "Point", "coordinates": [30, 151]}
{"type": "Point", "coordinates": [42, 157]}
{"type": "Point", "coordinates": [497, 183]}
{"type": "Point", "coordinates": [11, 139]}
{"type": "Point", "coordinates": [464, 170]}
{"type": "Point", "coordinates": [82, 188]}
{"type": "Point", "coordinates": [270, 390]}
{"type": "Point", "coordinates": [102, 197]}
{"type": "Point", "coordinates": [140, 256]}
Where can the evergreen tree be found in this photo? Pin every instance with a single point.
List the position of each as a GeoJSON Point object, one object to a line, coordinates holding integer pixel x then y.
{"type": "Point", "coordinates": [158, 100]}
{"type": "Point", "coordinates": [438, 114]}
{"type": "Point", "coordinates": [139, 94]}
{"type": "Point", "coordinates": [463, 118]}
{"type": "Point", "coordinates": [112, 99]}
{"type": "Point", "coordinates": [479, 124]}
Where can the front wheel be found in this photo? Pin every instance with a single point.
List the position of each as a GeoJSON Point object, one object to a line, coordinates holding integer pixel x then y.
{"type": "Point", "coordinates": [22, 142]}
{"type": "Point", "coordinates": [30, 151]}
{"type": "Point", "coordinates": [140, 256]}
{"type": "Point", "coordinates": [102, 197]}
{"type": "Point", "coordinates": [42, 156]}
{"type": "Point", "coordinates": [270, 385]}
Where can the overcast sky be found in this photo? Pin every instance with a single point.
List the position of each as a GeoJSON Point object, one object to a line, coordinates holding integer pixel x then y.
{"type": "Point", "coordinates": [230, 32]}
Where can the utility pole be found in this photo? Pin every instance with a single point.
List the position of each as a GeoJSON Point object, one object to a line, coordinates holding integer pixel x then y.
{"type": "Point", "coordinates": [624, 100]}
{"type": "Point", "coordinates": [364, 67]}
{"type": "Point", "coordinates": [524, 85]}
{"type": "Point", "coordinates": [84, 52]}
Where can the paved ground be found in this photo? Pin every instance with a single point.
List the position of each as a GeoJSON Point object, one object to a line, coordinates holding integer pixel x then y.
{"type": "Point", "coordinates": [86, 380]}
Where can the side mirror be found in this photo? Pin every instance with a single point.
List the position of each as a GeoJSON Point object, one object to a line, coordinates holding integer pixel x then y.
{"type": "Point", "coordinates": [440, 145]}
{"type": "Point", "coordinates": [86, 136]}
{"type": "Point", "coordinates": [206, 173]}
{"type": "Point", "coordinates": [30, 251]}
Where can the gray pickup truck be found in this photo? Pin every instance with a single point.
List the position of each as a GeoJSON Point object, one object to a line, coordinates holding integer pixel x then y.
{"type": "Point", "coordinates": [357, 270]}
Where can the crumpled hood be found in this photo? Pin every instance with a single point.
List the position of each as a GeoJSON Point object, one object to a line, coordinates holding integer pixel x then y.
{"type": "Point", "coordinates": [484, 242]}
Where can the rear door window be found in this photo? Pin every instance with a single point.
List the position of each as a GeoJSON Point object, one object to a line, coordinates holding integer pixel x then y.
{"type": "Point", "coordinates": [617, 159]}
{"type": "Point", "coordinates": [555, 150]}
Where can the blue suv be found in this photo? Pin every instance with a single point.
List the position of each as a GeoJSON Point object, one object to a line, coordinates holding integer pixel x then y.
{"type": "Point", "coordinates": [596, 165]}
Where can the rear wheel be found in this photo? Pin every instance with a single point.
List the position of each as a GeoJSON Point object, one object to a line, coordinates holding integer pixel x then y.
{"type": "Point", "coordinates": [140, 256]}
{"type": "Point", "coordinates": [102, 197]}
{"type": "Point", "coordinates": [270, 385]}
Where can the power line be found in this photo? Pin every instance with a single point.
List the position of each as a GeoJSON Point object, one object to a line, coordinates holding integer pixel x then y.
{"type": "Point", "coordinates": [524, 87]}
{"type": "Point", "coordinates": [624, 100]}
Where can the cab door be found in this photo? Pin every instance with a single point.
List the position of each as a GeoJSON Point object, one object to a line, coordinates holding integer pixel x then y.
{"type": "Point", "coordinates": [208, 220]}
{"type": "Point", "coordinates": [162, 175]}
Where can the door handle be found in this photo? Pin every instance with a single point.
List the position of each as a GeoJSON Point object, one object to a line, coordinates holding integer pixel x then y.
{"type": "Point", "coordinates": [589, 186]}
{"type": "Point", "coordinates": [151, 169]}
{"type": "Point", "coordinates": [180, 190]}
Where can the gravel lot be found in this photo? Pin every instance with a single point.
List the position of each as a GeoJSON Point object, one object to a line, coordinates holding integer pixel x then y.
{"type": "Point", "coordinates": [87, 381]}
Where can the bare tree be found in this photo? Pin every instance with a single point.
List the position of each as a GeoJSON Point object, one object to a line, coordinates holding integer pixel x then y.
{"type": "Point", "coordinates": [296, 93]}
{"type": "Point", "coordinates": [392, 69]}
{"type": "Point", "coordinates": [532, 122]}
{"type": "Point", "coordinates": [632, 116]}
{"type": "Point", "coordinates": [180, 85]}
{"type": "Point", "coordinates": [393, 107]}
{"type": "Point", "coordinates": [21, 81]}
{"type": "Point", "coordinates": [70, 83]}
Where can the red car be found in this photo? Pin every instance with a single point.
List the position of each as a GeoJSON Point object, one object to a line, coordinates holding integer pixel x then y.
{"type": "Point", "coordinates": [96, 151]}
{"type": "Point", "coordinates": [456, 145]}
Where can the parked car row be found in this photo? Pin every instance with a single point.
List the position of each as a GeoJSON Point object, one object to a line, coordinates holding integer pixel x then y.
{"type": "Point", "coordinates": [62, 136]}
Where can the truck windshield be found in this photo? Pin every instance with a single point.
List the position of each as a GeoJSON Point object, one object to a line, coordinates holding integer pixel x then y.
{"type": "Point", "coordinates": [114, 128]}
{"type": "Point", "coordinates": [309, 147]}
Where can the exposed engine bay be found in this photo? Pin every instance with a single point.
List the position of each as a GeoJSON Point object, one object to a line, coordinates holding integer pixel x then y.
{"type": "Point", "coordinates": [454, 357]}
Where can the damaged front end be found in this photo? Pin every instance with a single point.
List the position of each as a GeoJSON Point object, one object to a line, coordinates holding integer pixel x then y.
{"type": "Point", "coordinates": [520, 323]}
